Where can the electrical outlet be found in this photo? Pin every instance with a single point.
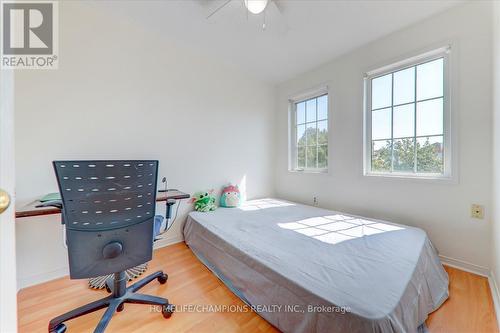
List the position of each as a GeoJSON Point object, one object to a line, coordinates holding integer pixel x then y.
{"type": "Point", "coordinates": [315, 201]}
{"type": "Point", "coordinates": [477, 211]}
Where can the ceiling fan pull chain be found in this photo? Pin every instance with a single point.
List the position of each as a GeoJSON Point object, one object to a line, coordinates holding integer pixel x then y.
{"type": "Point", "coordinates": [246, 9]}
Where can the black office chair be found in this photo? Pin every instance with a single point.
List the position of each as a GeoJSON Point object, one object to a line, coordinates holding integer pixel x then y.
{"type": "Point", "coordinates": [108, 211]}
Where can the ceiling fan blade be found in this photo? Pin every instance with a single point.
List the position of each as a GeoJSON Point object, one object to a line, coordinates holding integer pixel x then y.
{"type": "Point", "coordinates": [277, 18]}
{"type": "Point", "coordinates": [218, 8]}
{"type": "Point", "coordinates": [278, 5]}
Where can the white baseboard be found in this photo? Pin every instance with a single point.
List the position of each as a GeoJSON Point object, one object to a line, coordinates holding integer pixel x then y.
{"type": "Point", "coordinates": [492, 281]}
{"type": "Point", "coordinates": [62, 272]}
{"type": "Point", "coordinates": [162, 242]}
{"type": "Point", "coordinates": [41, 278]}
{"type": "Point", "coordinates": [465, 266]}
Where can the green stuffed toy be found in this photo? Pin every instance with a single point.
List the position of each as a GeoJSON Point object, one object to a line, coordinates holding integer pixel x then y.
{"type": "Point", "coordinates": [204, 201]}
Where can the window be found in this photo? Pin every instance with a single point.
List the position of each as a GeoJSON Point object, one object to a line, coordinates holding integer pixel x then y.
{"type": "Point", "coordinates": [406, 119]}
{"type": "Point", "coordinates": [309, 134]}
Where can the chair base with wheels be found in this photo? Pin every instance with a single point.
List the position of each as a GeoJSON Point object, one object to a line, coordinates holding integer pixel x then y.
{"type": "Point", "coordinates": [115, 302]}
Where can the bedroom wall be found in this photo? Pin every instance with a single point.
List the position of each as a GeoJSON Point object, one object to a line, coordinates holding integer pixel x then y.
{"type": "Point", "coordinates": [207, 124]}
{"type": "Point", "coordinates": [442, 209]}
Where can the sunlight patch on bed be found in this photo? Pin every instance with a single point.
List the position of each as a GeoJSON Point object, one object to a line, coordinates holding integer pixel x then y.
{"type": "Point", "coordinates": [337, 228]}
{"type": "Point", "coordinates": [264, 204]}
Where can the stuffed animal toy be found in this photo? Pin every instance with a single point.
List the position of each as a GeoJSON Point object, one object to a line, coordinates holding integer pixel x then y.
{"type": "Point", "coordinates": [231, 196]}
{"type": "Point", "coordinates": [204, 201]}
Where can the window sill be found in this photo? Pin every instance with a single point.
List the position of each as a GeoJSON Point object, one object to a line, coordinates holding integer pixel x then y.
{"type": "Point", "coordinates": [415, 177]}
{"type": "Point", "coordinates": [312, 171]}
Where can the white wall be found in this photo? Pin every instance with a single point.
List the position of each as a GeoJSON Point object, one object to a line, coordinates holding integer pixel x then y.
{"type": "Point", "coordinates": [123, 91]}
{"type": "Point", "coordinates": [441, 209]}
{"type": "Point", "coordinates": [495, 234]}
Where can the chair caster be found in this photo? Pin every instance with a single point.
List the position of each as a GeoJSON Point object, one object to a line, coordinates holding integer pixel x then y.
{"type": "Point", "coordinates": [163, 278]}
{"type": "Point", "coordinates": [167, 311]}
{"type": "Point", "coordinates": [120, 307]}
{"type": "Point", "coordinates": [61, 328]}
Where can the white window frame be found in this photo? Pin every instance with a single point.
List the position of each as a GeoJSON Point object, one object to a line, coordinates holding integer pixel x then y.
{"type": "Point", "coordinates": [292, 132]}
{"type": "Point", "coordinates": [443, 52]}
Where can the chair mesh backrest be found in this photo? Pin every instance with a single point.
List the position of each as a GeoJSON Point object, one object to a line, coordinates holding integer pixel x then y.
{"type": "Point", "coordinates": [104, 195]}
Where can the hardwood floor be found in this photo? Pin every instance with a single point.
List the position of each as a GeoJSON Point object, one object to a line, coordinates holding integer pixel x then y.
{"type": "Point", "coordinates": [469, 308]}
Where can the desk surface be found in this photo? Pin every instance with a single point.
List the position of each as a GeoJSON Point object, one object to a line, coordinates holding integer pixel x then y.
{"type": "Point", "coordinates": [30, 209]}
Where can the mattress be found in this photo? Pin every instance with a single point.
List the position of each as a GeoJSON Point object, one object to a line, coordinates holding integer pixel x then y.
{"type": "Point", "coordinates": [306, 269]}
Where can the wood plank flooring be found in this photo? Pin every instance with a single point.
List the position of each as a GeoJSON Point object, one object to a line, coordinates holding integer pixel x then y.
{"type": "Point", "coordinates": [469, 308]}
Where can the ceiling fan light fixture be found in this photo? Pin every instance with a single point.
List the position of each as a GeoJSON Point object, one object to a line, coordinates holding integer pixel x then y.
{"type": "Point", "coordinates": [256, 6]}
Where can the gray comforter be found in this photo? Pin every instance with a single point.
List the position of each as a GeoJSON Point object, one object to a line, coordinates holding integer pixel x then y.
{"type": "Point", "coordinates": [306, 269]}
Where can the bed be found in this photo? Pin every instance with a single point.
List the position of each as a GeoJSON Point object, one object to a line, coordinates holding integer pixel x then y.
{"type": "Point", "coordinates": [306, 269]}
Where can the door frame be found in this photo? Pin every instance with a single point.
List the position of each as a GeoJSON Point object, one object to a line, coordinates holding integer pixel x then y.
{"type": "Point", "coordinates": [8, 282]}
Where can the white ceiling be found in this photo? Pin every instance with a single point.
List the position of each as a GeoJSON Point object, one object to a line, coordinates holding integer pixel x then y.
{"type": "Point", "coordinates": [300, 34]}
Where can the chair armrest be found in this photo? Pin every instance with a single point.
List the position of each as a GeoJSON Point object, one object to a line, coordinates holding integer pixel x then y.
{"type": "Point", "coordinates": [51, 203]}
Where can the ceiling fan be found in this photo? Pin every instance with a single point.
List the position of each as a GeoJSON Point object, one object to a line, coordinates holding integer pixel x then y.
{"type": "Point", "coordinates": [254, 7]}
